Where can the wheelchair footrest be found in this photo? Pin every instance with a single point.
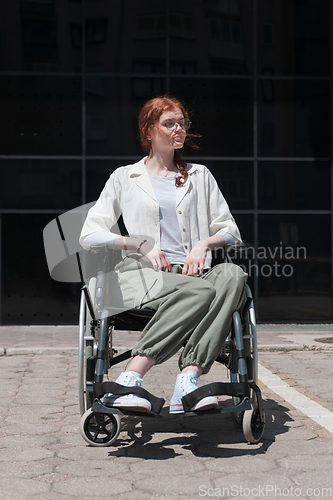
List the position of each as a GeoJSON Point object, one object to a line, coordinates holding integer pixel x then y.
{"type": "Point", "coordinates": [241, 389]}
{"type": "Point", "coordinates": [101, 388]}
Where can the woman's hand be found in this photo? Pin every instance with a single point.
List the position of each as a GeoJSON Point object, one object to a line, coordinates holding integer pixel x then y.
{"type": "Point", "coordinates": [194, 262]}
{"type": "Point", "coordinates": [158, 258]}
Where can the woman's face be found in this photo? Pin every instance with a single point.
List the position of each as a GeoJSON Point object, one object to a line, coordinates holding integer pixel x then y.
{"type": "Point", "coordinates": [167, 133]}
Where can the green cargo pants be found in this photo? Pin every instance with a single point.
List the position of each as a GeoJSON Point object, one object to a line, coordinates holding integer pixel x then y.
{"type": "Point", "coordinates": [191, 312]}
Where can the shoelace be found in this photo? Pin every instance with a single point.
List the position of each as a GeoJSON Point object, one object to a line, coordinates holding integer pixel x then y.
{"type": "Point", "coordinates": [188, 383]}
{"type": "Point", "coordinates": [131, 380]}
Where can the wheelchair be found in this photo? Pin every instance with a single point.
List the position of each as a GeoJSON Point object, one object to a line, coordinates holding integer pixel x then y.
{"type": "Point", "coordinates": [100, 424]}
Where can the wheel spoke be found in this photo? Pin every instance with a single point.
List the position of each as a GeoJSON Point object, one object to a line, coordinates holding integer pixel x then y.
{"type": "Point", "coordinates": [95, 435]}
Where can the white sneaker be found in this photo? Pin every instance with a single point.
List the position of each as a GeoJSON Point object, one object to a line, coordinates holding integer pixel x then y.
{"type": "Point", "coordinates": [129, 401]}
{"type": "Point", "coordinates": [186, 383]}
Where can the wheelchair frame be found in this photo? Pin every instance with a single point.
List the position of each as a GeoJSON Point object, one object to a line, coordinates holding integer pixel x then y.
{"type": "Point", "coordinates": [100, 425]}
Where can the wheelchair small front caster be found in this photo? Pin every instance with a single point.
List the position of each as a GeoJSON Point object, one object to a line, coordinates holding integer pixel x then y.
{"type": "Point", "coordinates": [253, 425]}
{"type": "Point", "coordinates": [99, 429]}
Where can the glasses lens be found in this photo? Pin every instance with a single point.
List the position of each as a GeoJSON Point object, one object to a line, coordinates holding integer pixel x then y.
{"type": "Point", "coordinates": [184, 124]}
{"type": "Point", "coordinates": [187, 124]}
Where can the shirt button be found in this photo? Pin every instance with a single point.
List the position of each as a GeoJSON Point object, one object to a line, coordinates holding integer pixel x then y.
{"type": "Point", "coordinates": [184, 229]}
{"type": "Point", "coordinates": [185, 247]}
{"type": "Point", "coordinates": [180, 212]}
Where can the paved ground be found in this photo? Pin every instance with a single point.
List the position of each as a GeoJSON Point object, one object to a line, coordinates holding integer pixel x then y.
{"type": "Point", "coordinates": [58, 339]}
{"type": "Point", "coordinates": [43, 456]}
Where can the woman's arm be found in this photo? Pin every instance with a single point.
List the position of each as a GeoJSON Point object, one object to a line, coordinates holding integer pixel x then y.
{"type": "Point", "coordinates": [158, 258]}
{"type": "Point", "coordinates": [102, 237]}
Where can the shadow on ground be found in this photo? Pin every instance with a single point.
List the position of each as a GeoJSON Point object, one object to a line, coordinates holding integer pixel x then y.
{"type": "Point", "coordinates": [209, 435]}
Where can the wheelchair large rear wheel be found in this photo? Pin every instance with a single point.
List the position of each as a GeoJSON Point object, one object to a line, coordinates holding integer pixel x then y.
{"type": "Point", "coordinates": [87, 346]}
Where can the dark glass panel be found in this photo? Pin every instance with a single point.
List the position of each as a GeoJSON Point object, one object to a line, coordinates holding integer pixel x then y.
{"type": "Point", "coordinates": [245, 222]}
{"type": "Point", "coordinates": [205, 36]}
{"type": "Point", "coordinates": [29, 294]}
{"type": "Point", "coordinates": [40, 115]}
{"type": "Point", "coordinates": [235, 179]}
{"type": "Point", "coordinates": [294, 185]}
{"type": "Point", "coordinates": [113, 106]}
{"type": "Point", "coordinates": [98, 172]}
{"type": "Point", "coordinates": [211, 37]}
{"type": "Point", "coordinates": [293, 37]}
{"type": "Point", "coordinates": [41, 36]}
{"type": "Point", "coordinates": [222, 113]}
{"type": "Point", "coordinates": [293, 118]}
{"type": "Point", "coordinates": [41, 184]}
{"type": "Point", "coordinates": [299, 293]}
{"type": "Point", "coordinates": [294, 268]}
{"type": "Point", "coordinates": [311, 232]}
{"type": "Point", "coordinates": [123, 33]}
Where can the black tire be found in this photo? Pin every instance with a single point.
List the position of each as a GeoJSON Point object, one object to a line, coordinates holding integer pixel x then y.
{"type": "Point", "coordinates": [99, 429]}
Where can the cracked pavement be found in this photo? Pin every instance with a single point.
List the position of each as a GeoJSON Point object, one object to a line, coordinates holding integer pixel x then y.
{"type": "Point", "coordinates": [43, 456]}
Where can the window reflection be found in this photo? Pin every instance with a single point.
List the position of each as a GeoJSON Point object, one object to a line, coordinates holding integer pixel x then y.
{"type": "Point", "coordinates": [40, 184]}
{"type": "Point", "coordinates": [220, 45]}
{"type": "Point", "coordinates": [294, 271]}
{"type": "Point", "coordinates": [294, 291]}
{"type": "Point", "coordinates": [133, 32]}
{"type": "Point", "coordinates": [143, 87]}
{"type": "Point", "coordinates": [292, 230]}
{"type": "Point", "coordinates": [30, 297]}
{"type": "Point", "coordinates": [294, 185]}
{"type": "Point", "coordinates": [293, 37]}
{"type": "Point", "coordinates": [151, 26]}
{"type": "Point", "coordinates": [235, 179]}
{"type": "Point", "coordinates": [217, 32]}
{"type": "Point", "coordinates": [112, 114]}
{"type": "Point", "coordinates": [41, 115]}
{"type": "Point", "coordinates": [294, 120]}
{"type": "Point", "coordinates": [41, 36]}
{"type": "Point", "coordinates": [192, 50]}
{"type": "Point", "coordinates": [98, 172]}
{"type": "Point", "coordinates": [222, 113]}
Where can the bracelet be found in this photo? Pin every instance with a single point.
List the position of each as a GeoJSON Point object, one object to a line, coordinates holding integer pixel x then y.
{"type": "Point", "coordinates": [142, 243]}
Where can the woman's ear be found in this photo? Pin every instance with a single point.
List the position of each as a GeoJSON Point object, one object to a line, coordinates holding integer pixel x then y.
{"type": "Point", "coordinates": [147, 133]}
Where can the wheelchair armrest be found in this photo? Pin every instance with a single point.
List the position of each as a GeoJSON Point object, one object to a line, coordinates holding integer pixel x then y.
{"type": "Point", "coordinates": [234, 251]}
{"type": "Point", "coordinates": [236, 247]}
{"type": "Point", "coordinates": [99, 248]}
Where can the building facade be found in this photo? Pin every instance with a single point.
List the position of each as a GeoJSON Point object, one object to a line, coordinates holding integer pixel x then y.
{"type": "Point", "coordinates": [257, 78]}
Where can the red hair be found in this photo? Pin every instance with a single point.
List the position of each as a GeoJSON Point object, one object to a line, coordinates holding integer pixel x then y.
{"type": "Point", "coordinates": [149, 115]}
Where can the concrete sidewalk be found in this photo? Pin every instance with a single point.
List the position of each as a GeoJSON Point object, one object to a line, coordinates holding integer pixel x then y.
{"type": "Point", "coordinates": [44, 457]}
{"type": "Point", "coordinates": [60, 339]}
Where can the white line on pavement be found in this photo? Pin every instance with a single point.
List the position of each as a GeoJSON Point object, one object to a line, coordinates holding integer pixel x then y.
{"type": "Point", "coordinates": [310, 408]}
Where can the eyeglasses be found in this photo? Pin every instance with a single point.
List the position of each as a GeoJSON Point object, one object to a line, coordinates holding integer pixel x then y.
{"type": "Point", "coordinates": [171, 124]}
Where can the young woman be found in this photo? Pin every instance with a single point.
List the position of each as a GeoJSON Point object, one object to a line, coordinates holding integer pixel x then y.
{"type": "Point", "coordinates": [181, 216]}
